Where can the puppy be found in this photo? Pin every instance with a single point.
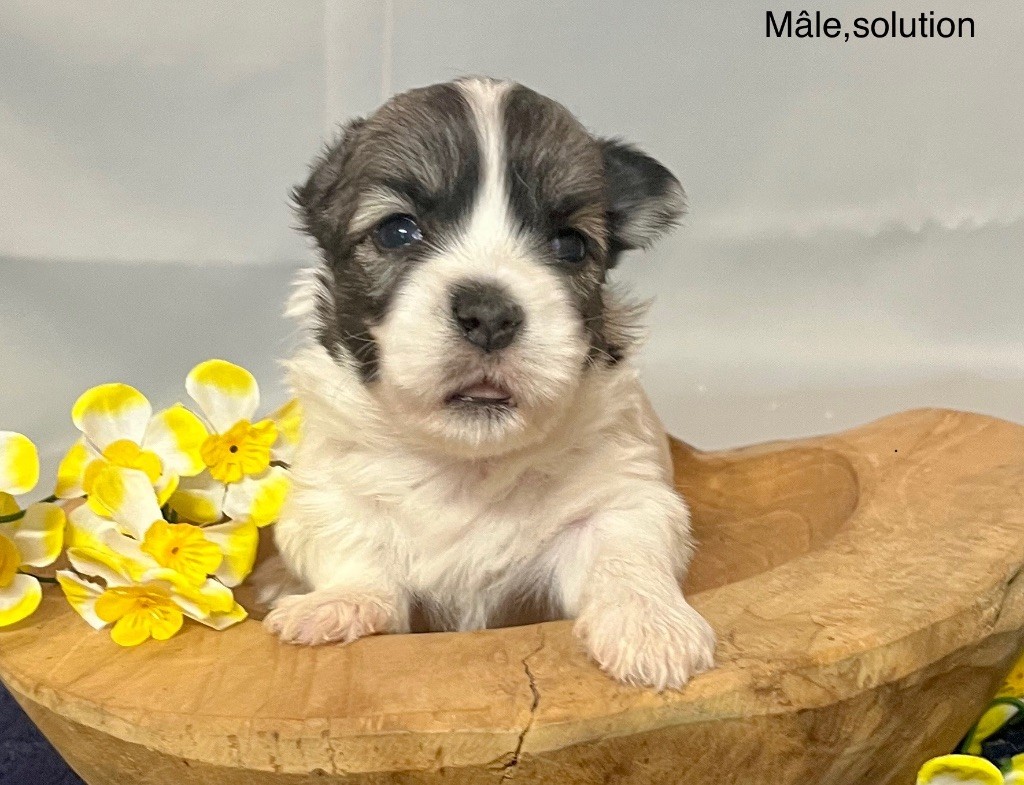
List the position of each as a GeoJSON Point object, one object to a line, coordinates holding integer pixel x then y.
{"type": "Point", "coordinates": [477, 450]}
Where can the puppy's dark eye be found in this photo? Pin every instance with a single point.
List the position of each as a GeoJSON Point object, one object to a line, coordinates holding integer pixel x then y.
{"type": "Point", "coordinates": [397, 231]}
{"type": "Point", "coordinates": [569, 246]}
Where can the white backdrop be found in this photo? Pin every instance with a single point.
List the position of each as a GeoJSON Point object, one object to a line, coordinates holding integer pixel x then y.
{"type": "Point", "coordinates": [854, 245]}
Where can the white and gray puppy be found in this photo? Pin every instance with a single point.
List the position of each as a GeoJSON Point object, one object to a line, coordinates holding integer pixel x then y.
{"type": "Point", "coordinates": [477, 450]}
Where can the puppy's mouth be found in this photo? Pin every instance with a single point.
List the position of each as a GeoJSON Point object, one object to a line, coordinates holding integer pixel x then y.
{"type": "Point", "coordinates": [484, 394]}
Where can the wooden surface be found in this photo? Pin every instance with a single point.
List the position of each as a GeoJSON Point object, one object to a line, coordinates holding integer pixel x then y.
{"type": "Point", "coordinates": [864, 587]}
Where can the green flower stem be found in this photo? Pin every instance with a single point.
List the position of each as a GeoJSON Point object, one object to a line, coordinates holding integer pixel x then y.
{"type": "Point", "coordinates": [17, 516]}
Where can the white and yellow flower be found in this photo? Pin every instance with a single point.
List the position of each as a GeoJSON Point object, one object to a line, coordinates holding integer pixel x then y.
{"type": "Point", "coordinates": [996, 716]}
{"type": "Point", "coordinates": [239, 481]}
{"type": "Point", "coordinates": [119, 430]}
{"type": "Point", "coordinates": [30, 538]}
{"type": "Point", "coordinates": [1015, 774]}
{"type": "Point", "coordinates": [133, 533]}
{"type": "Point", "coordinates": [959, 770]}
{"type": "Point", "coordinates": [151, 605]}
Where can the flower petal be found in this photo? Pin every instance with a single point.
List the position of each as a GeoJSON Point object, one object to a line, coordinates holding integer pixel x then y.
{"type": "Point", "coordinates": [965, 769]}
{"type": "Point", "coordinates": [258, 499]}
{"type": "Point", "coordinates": [100, 536]}
{"type": "Point", "coordinates": [86, 529]}
{"type": "Point", "coordinates": [165, 488]}
{"type": "Point", "coordinates": [994, 718]}
{"type": "Point", "coordinates": [211, 596]}
{"type": "Point", "coordinates": [19, 599]}
{"type": "Point", "coordinates": [224, 391]}
{"type": "Point", "coordinates": [221, 620]}
{"type": "Point", "coordinates": [211, 604]}
{"type": "Point", "coordinates": [166, 624]}
{"type": "Point", "coordinates": [8, 505]}
{"type": "Point", "coordinates": [40, 534]}
{"type": "Point", "coordinates": [289, 430]}
{"type": "Point", "coordinates": [237, 540]}
{"type": "Point", "coordinates": [1015, 776]}
{"type": "Point", "coordinates": [19, 463]}
{"type": "Point", "coordinates": [130, 630]}
{"type": "Point", "coordinates": [110, 412]}
{"type": "Point", "coordinates": [71, 471]}
{"type": "Point", "coordinates": [127, 496]}
{"type": "Point", "coordinates": [82, 596]}
{"type": "Point", "coordinates": [103, 564]}
{"type": "Point", "coordinates": [175, 434]}
{"type": "Point", "coordinates": [199, 499]}
{"type": "Point", "coordinates": [10, 557]}
{"type": "Point", "coordinates": [137, 624]}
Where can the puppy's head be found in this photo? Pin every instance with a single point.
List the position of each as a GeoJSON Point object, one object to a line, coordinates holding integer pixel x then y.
{"type": "Point", "coordinates": [466, 230]}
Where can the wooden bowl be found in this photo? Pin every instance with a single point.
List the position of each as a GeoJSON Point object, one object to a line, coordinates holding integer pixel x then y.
{"type": "Point", "coordinates": [864, 586]}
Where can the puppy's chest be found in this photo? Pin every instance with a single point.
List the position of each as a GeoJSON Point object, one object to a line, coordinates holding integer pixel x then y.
{"type": "Point", "coordinates": [473, 527]}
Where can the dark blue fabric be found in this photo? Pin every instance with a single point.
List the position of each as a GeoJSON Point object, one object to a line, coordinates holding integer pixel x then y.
{"type": "Point", "coordinates": [26, 758]}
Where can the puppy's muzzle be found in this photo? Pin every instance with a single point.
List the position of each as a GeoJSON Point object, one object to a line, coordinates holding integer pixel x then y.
{"type": "Point", "coordinates": [486, 315]}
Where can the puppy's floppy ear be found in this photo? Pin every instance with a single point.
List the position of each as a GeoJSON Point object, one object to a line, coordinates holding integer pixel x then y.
{"type": "Point", "coordinates": [320, 201]}
{"type": "Point", "coordinates": [644, 198]}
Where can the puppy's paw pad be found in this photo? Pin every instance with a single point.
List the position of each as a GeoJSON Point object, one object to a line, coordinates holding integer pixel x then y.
{"type": "Point", "coordinates": [325, 617]}
{"type": "Point", "coordinates": [662, 648]}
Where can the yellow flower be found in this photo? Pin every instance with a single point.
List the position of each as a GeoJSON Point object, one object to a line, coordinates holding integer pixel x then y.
{"type": "Point", "coordinates": [133, 533]}
{"type": "Point", "coordinates": [119, 429]}
{"type": "Point", "coordinates": [139, 613]}
{"type": "Point", "coordinates": [241, 483]}
{"type": "Point", "coordinates": [34, 539]}
{"type": "Point", "coordinates": [994, 718]}
{"type": "Point", "coordinates": [1015, 776]}
{"type": "Point", "coordinates": [141, 606]}
{"type": "Point", "coordinates": [244, 450]}
{"type": "Point", "coordinates": [962, 769]}
{"type": "Point", "coordinates": [182, 548]}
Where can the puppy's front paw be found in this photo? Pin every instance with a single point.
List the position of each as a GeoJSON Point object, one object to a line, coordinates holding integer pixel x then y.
{"type": "Point", "coordinates": [329, 617]}
{"type": "Point", "coordinates": [648, 646]}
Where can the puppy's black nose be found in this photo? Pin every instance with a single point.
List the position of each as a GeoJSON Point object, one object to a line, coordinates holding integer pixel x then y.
{"type": "Point", "coordinates": [486, 315]}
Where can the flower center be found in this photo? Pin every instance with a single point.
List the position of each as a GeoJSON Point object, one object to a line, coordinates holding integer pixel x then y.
{"type": "Point", "coordinates": [183, 548]}
{"type": "Point", "coordinates": [120, 601]}
{"type": "Point", "coordinates": [241, 451]}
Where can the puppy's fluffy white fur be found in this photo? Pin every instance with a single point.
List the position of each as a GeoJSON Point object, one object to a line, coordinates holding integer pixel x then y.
{"type": "Point", "coordinates": [564, 504]}
{"type": "Point", "coordinates": [587, 514]}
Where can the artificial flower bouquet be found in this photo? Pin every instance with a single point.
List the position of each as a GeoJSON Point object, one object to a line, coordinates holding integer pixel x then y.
{"type": "Point", "coordinates": [157, 515]}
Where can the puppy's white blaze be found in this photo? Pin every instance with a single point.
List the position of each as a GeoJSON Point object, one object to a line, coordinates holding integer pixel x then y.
{"type": "Point", "coordinates": [490, 221]}
{"type": "Point", "coordinates": [421, 352]}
